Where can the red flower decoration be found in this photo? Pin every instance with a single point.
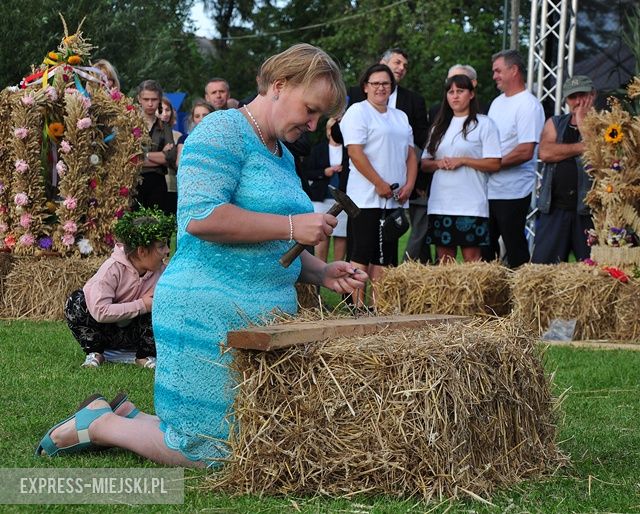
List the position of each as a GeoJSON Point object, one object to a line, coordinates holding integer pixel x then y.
{"type": "Point", "coordinates": [123, 191]}
{"type": "Point", "coordinates": [617, 273]}
{"type": "Point", "coordinates": [108, 238]}
{"type": "Point", "coordinates": [10, 241]}
{"type": "Point", "coordinates": [137, 133]}
{"type": "Point", "coordinates": [130, 107]}
{"type": "Point", "coordinates": [93, 183]}
{"type": "Point", "coordinates": [119, 213]}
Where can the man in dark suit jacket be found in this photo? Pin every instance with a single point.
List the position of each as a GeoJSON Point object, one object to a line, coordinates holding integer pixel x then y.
{"type": "Point", "coordinates": [413, 105]}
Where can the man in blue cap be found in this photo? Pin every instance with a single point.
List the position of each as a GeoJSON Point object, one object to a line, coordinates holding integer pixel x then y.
{"type": "Point", "coordinates": [564, 218]}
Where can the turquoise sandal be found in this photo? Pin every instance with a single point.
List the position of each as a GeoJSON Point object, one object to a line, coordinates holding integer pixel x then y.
{"type": "Point", "coordinates": [84, 417]}
{"type": "Point", "coordinates": [118, 400]}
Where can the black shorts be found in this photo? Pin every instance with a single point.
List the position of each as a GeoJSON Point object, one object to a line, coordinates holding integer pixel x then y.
{"type": "Point", "coordinates": [365, 240]}
{"type": "Point", "coordinates": [451, 230]}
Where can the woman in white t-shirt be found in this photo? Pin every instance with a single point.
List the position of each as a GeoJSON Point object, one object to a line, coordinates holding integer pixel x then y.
{"type": "Point", "coordinates": [379, 141]}
{"type": "Point", "coordinates": [463, 148]}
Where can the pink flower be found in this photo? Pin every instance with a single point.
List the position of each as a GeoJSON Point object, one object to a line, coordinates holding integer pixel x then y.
{"type": "Point", "coordinates": [137, 132]}
{"type": "Point", "coordinates": [21, 132]}
{"type": "Point", "coordinates": [51, 93]}
{"type": "Point", "coordinates": [27, 99]}
{"type": "Point", "coordinates": [3, 209]}
{"type": "Point", "coordinates": [61, 168]}
{"type": "Point", "coordinates": [21, 166]}
{"type": "Point", "coordinates": [3, 228]}
{"type": "Point", "coordinates": [68, 240]}
{"type": "Point", "coordinates": [1, 187]}
{"type": "Point", "coordinates": [70, 227]}
{"type": "Point", "coordinates": [86, 101]}
{"type": "Point", "coordinates": [84, 123]}
{"type": "Point", "coordinates": [27, 240]}
{"type": "Point", "coordinates": [65, 147]}
{"type": "Point", "coordinates": [25, 220]}
{"type": "Point", "coordinates": [70, 202]}
{"type": "Point", "coordinates": [21, 199]}
{"type": "Point", "coordinates": [123, 191]}
{"type": "Point", "coordinates": [115, 94]}
{"type": "Point", "coordinates": [119, 213]}
{"type": "Point", "coordinates": [70, 91]}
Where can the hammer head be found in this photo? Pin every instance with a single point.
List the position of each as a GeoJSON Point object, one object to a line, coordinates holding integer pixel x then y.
{"type": "Point", "coordinates": [345, 202]}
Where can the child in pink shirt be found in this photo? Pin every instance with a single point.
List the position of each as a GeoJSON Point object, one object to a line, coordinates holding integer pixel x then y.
{"type": "Point", "coordinates": [113, 309]}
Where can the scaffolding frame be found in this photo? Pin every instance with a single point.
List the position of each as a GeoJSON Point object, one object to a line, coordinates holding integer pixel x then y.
{"type": "Point", "coordinates": [551, 21]}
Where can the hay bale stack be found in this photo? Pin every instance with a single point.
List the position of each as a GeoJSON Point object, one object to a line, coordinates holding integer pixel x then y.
{"type": "Point", "coordinates": [459, 289]}
{"type": "Point", "coordinates": [573, 291]}
{"type": "Point", "coordinates": [308, 296]}
{"type": "Point", "coordinates": [445, 411]}
{"type": "Point", "coordinates": [36, 288]}
{"type": "Point", "coordinates": [6, 261]}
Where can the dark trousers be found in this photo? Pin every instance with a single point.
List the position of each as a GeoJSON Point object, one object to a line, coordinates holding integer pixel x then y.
{"type": "Point", "coordinates": [152, 192]}
{"type": "Point", "coordinates": [417, 249]}
{"type": "Point", "coordinates": [97, 337]}
{"type": "Point", "coordinates": [507, 218]}
{"type": "Point", "coordinates": [558, 233]}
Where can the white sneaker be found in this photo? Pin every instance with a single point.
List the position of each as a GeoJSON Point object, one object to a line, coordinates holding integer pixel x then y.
{"type": "Point", "coordinates": [92, 360]}
{"type": "Point", "coordinates": [147, 362]}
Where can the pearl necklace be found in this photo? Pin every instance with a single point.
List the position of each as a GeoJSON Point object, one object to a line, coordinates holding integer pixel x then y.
{"type": "Point", "coordinates": [275, 147]}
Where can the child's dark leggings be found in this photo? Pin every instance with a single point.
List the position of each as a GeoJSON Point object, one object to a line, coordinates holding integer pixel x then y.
{"type": "Point", "coordinates": [96, 337]}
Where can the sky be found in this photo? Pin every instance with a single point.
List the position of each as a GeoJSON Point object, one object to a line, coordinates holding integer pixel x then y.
{"type": "Point", "coordinates": [205, 27]}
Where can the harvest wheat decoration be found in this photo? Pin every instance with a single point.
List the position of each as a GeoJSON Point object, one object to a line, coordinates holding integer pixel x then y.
{"type": "Point", "coordinates": [612, 158]}
{"type": "Point", "coordinates": [70, 153]}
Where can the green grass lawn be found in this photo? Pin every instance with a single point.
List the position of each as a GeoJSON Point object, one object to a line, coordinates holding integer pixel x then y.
{"type": "Point", "coordinates": [41, 383]}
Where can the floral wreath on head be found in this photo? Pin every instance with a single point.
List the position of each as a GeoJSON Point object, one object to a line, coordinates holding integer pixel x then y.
{"type": "Point", "coordinates": [144, 226]}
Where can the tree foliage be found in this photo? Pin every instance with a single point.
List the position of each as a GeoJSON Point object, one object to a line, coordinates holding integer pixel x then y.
{"type": "Point", "coordinates": [142, 38]}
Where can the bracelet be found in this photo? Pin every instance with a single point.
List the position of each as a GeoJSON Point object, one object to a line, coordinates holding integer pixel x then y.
{"type": "Point", "coordinates": [290, 228]}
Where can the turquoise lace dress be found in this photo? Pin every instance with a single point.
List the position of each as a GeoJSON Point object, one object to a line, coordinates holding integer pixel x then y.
{"type": "Point", "coordinates": [209, 288]}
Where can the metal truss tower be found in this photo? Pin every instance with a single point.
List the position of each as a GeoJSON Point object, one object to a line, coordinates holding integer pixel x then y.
{"type": "Point", "coordinates": [552, 45]}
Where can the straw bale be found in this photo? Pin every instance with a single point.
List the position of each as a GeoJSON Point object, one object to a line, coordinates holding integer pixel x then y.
{"type": "Point", "coordinates": [602, 306]}
{"type": "Point", "coordinates": [308, 296]}
{"type": "Point", "coordinates": [457, 288]}
{"type": "Point", "coordinates": [6, 260]}
{"type": "Point", "coordinates": [439, 412]}
{"type": "Point", "coordinates": [37, 287]}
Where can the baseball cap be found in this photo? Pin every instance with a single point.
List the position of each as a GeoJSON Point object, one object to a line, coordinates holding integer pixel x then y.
{"type": "Point", "coordinates": [577, 84]}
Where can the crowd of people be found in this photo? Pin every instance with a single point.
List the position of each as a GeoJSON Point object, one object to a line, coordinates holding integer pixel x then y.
{"type": "Point", "coordinates": [247, 190]}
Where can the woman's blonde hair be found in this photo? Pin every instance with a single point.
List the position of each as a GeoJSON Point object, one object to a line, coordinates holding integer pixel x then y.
{"type": "Point", "coordinates": [109, 70]}
{"type": "Point", "coordinates": [302, 65]}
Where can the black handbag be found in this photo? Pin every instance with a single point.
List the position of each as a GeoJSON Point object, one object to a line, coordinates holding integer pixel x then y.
{"type": "Point", "coordinates": [393, 225]}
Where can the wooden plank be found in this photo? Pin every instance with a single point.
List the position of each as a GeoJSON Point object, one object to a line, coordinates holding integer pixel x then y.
{"type": "Point", "coordinates": [595, 345]}
{"type": "Point", "coordinates": [289, 334]}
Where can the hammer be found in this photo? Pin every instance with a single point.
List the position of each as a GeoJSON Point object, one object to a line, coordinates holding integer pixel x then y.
{"type": "Point", "coordinates": [343, 203]}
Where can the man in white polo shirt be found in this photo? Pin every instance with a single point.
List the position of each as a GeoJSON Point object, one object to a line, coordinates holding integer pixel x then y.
{"type": "Point", "coordinates": [520, 118]}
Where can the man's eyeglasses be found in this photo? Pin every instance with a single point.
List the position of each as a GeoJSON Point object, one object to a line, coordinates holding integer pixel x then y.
{"type": "Point", "coordinates": [377, 85]}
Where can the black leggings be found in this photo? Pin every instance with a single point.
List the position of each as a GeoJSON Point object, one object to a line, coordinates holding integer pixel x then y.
{"type": "Point", "coordinates": [97, 337]}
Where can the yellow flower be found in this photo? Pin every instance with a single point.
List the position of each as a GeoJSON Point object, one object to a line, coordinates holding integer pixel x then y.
{"type": "Point", "coordinates": [609, 188]}
{"type": "Point", "coordinates": [613, 134]}
{"type": "Point", "coordinates": [74, 60]}
{"type": "Point", "coordinates": [55, 129]}
{"type": "Point", "coordinates": [54, 56]}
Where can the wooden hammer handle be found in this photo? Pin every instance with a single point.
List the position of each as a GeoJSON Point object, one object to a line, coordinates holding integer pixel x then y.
{"type": "Point", "coordinates": [293, 252]}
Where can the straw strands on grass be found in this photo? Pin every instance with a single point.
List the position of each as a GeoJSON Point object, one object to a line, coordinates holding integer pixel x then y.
{"type": "Point", "coordinates": [36, 288]}
{"type": "Point", "coordinates": [459, 289]}
{"type": "Point", "coordinates": [604, 308]}
{"type": "Point", "coordinates": [440, 412]}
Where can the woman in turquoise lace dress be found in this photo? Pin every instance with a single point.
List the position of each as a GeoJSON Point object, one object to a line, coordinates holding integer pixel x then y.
{"type": "Point", "coordinates": [240, 207]}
